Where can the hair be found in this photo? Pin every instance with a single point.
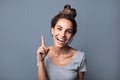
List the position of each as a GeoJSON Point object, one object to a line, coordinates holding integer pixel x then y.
{"type": "Point", "coordinates": [67, 13]}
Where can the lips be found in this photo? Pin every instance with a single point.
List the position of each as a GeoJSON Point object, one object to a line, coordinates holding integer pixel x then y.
{"type": "Point", "coordinates": [61, 40]}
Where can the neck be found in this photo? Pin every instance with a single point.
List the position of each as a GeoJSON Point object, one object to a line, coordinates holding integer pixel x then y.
{"type": "Point", "coordinates": [59, 51]}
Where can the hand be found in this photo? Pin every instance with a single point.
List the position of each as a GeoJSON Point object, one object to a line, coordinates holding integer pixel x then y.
{"type": "Point", "coordinates": [42, 50]}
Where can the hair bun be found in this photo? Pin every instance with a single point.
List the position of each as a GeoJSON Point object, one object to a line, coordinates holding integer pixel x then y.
{"type": "Point", "coordinates": [67, 6]}
{"type": "Point", "coordinates": [69, 11]}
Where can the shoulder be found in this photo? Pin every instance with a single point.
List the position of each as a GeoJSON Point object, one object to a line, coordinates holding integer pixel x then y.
{"type": "Point", "coordinates": [80, 53]}
{"type": "Point", "coordinates": [77, 52]}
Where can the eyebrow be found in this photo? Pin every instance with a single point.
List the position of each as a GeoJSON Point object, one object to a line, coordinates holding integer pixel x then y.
{"type": "Point", "coordinates": [62, 27]}
{"type": "Point", "coordinates": [59, 26]}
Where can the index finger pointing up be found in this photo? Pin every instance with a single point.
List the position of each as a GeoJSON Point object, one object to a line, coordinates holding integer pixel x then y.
{"type": "Point", "coordinates": [43, 40]}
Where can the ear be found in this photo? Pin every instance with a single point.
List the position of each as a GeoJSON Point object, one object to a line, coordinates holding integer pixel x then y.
{"type": "Point", "coordinates": [52, 31]}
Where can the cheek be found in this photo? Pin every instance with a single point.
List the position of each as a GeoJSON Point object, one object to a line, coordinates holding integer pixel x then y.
{"type": "Point", "coordinates": [69, 35]}
{"type": "Point", "coordinates": [70, 38]}
{"type": "Point", "coordinates": [55, 32]}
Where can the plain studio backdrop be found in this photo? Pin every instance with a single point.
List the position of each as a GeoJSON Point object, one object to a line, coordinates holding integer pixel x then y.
{"type": "Point", "coordinates": [22, 22]}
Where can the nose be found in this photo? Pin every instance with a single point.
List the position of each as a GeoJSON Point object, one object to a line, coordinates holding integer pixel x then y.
{"type": "Point", "coordinates": [63, 33]}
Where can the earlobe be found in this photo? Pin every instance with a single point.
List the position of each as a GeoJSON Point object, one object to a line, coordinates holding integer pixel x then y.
{"type": "Point", "coordinates": [52, 31]}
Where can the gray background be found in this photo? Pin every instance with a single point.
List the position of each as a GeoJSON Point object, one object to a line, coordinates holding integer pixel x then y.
{"type": "Point", "coordinates": [22, 22]}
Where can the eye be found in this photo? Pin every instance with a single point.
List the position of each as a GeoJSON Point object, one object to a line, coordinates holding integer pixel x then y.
{"type": "Point", "coordinates": [69, 31]}
{"type": "Point", "coordinates": [59, 29]}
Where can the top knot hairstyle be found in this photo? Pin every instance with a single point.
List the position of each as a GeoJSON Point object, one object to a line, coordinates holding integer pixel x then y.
{"type": "Point", "coordinates": [67, 13]}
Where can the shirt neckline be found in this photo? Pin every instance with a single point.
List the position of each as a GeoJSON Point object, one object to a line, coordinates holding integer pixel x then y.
{"type": "Point", "coordinates": [66, 64]}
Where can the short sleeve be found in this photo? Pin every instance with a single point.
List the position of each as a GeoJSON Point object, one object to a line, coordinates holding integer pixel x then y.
{"type": "Point", "coordinates": [83, 64]}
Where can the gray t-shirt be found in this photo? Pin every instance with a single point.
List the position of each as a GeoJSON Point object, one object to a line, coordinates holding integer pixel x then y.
{"type": "Point", "coordinates": [68, 72]}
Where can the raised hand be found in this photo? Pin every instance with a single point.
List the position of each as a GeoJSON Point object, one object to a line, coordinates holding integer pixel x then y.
{"type": "Point", "coordinates": [42, 50]}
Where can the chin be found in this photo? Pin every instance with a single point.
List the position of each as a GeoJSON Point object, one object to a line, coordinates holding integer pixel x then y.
{"type": "Point", "coordinates": [61, 45]}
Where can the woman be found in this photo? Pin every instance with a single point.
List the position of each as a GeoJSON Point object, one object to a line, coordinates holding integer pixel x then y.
{"type": "Point", "coordinates": [60, 61]}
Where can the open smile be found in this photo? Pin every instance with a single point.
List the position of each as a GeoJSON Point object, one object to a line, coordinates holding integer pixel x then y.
{"type": "Point", "coordinates": [61, 40]}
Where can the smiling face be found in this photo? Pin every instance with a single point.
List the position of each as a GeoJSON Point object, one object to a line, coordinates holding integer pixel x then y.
{"type": "Point", "coordinates": [62, 32]}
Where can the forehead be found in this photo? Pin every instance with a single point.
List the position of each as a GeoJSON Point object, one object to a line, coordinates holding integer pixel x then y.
{"type": "Point", "coordinates": [64, 23]}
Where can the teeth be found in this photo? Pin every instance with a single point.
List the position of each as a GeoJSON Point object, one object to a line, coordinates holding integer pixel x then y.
{"type": "Point", "coordinates": [62, 40]}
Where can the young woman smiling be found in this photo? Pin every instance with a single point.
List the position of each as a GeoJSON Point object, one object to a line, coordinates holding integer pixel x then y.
{"type": "Point", "coordinates": [60, 61]}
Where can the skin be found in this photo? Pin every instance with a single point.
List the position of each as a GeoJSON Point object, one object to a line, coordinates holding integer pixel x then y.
{"type": "Point", "coordinates": [60, 53]}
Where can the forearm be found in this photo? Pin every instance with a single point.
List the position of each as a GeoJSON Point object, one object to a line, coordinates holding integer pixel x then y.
{"type": "Point", "coordinates": [41, 71]}
{"type": "Point", "coordinates": [81, 75]}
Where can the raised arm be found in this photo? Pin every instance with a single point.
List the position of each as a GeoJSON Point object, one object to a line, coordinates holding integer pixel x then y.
{"type": "Point", "coordinates": [41, 53]}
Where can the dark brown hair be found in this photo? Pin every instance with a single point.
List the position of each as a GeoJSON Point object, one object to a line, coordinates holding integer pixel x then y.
{"type": "Point", "coordinates": [67, 13]}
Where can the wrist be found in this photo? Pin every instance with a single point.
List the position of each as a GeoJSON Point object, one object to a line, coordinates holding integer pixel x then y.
{"type": "Point", "coordinates": [41, 62]}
